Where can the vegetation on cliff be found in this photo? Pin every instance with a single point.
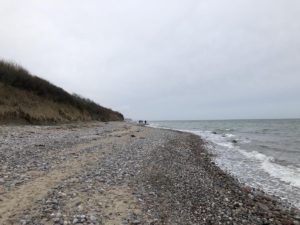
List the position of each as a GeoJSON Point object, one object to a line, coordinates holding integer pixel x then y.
{"type": "Point", "coordinates": [28, 98]}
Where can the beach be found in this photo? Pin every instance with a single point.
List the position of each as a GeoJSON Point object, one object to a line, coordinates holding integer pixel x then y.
{"type": "Point", "coordinates": [122, 173]}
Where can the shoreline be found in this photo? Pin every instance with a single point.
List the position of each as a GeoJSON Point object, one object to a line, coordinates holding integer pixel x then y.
{"type": "Point", "coordinates": [284, 202]}
{"type": "Point", "coordinates": [263, 199]}
{"type": "Point", "coordinates": [121, 173]}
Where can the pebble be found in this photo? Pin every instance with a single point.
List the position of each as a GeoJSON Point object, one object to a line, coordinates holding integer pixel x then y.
{"type": "Point", "coordinates": [170, 175]}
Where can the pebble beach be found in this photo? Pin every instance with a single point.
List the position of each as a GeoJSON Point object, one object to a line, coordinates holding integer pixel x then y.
{"type": "Point", "coordinates": [122, 173]}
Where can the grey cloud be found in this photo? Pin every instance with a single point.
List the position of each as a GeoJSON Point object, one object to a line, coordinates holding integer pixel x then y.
{"type": "Point", "coordinates": [207, 59]}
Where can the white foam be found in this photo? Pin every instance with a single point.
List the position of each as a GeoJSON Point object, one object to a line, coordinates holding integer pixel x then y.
{"type": "Point", "coordinates": [259, 169]}
{"type": "Point", "coordinates": [154, 125]}
{"type": "Point", "coordinates": [286, 174]}
{"type": "Point", "coordinates": [255, 155]}
{"type": "Point", "coordinates": [230, 135]}
{"type": "Point", "coordinates": [215, 138]}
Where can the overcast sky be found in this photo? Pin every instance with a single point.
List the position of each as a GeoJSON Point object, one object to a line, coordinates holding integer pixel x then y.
{"type": "Point", "coordinates": [170, 59]}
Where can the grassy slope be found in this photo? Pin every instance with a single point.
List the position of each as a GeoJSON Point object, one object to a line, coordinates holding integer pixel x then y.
{"type": "Point", "coordinates": [26, 98]}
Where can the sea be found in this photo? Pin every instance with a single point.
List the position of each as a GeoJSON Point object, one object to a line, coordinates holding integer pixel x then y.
{"type": "Point", "coordinates": [263, 154]}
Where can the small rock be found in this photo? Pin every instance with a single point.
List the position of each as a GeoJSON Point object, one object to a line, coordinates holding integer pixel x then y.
{"type": "Point", "coordinates": [262, 206]}
{"type": "Point", "coordinates": [23, 222]}
{"type": "Point", "coordinates": [153, 222]}
{"type": "Point", "coordinates": [80, 207]}
{"type": "Point", "coordinates": [93, 218]}
{"type": "Point", "coordinates": [56, 220]}
{"type": "Point", "coordinates": [247, 189]}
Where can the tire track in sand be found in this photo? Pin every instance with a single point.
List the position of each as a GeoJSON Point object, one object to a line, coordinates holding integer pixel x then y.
{"type": "Point", "coordinates": [24, 196]}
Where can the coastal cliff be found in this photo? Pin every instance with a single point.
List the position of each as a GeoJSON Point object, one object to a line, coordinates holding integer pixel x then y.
{"type": "Point", "coordinates": [25, 98]}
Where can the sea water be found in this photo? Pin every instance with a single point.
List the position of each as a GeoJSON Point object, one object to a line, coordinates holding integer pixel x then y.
{"type": "Point", "coordinates": [264, 154]}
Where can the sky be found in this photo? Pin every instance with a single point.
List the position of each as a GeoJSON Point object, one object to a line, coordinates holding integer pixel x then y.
{"type": "Point", "coordinates": [163, 60]}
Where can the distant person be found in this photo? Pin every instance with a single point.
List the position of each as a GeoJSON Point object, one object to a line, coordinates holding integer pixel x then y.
{"type": "Point", "coordinates": [145, 121]}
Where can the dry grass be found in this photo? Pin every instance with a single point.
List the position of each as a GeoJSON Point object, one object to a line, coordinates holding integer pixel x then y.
{"type": "Point", "coordinates": [30, 99]}
{"type": "Point", "coordinates": [22, 106]}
